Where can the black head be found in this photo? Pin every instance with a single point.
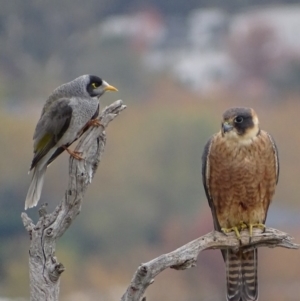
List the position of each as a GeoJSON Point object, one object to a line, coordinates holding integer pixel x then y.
{"type": "Point", "coordinates": [94, 83]}
{"type": "Point", "coordinates": [96, 86]}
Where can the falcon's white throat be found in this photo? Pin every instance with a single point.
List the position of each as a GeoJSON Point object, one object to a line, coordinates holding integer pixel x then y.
{"type": "Point", "coordinates": [245, 139]}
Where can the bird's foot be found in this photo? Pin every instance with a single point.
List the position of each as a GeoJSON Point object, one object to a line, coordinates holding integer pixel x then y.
{"type": "Point", "coordinates": [232, 229]}
{"type": "Point", "coordinates": [74, 154]}
{"type": "Point", "coordinates": [257, 225]}
{"type": "Point", "coordinates": [236, 229]}
{"type": "Point", "coordinates": [94, 122]}
{"type": "Point", "coordinates": [77, 155]}
{"type": "Point", "coordinates": [243, 226]}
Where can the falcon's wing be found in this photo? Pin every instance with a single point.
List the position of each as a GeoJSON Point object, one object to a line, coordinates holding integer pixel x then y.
{"type": "Point", "coordinates": [275, 172]}
{"type": "Point", "coordinates": [275, 149]}
{"type": "Point", "coordinates": [205, 179]}
{"type": "Point", "coordinates": [51, 127]}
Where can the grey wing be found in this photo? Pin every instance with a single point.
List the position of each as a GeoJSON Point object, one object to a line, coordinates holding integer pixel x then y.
{"type": "Point", "coordinates": [51, 127]}
{"type": "Point", "coordinates": [61, 149]}
{"type": "Point", "coordinates": [275, 149]}
{"type": "Point", "coordinates": [205, 180]}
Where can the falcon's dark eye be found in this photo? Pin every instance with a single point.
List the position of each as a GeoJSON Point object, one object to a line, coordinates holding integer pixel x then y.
{"type": "Point", "coordinates": [239, 119]}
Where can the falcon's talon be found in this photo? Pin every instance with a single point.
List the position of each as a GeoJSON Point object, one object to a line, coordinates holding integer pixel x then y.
{"type": "Point", "coordinates": [257, 225]}
{"type": "Point", "coordinates": [243, 226]}
{"type": "Point", "coordinates": [235, 229]}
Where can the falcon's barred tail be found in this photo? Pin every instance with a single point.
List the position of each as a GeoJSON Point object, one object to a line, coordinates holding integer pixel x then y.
{"type": "Point", "coordinates": [35, 188]}
{"type": "Point", "coordinates": [249, 276]}
{"type": "Point", "coordinates": [241, 275]}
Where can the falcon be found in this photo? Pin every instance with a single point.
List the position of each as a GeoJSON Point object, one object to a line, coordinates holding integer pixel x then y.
{"type": "Point", "coordinates": [240, 170]}
{"type": "Point", "coordinates": [69, 110]}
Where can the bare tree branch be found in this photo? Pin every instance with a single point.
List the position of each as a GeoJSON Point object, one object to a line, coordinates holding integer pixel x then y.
{"type": "Point", "coordinates": [44, 268]}
{"type": "Point", "coordinates": [186, 256]}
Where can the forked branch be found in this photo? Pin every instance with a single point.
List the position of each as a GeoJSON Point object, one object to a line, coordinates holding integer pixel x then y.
{"type": "Point", "coordinates": [186, 256]}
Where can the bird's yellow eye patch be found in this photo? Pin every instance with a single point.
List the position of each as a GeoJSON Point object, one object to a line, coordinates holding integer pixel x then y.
{"type": "Point", "coordinates": [95, 85]}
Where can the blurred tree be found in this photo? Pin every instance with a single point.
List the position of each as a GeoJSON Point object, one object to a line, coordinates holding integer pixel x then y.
{"type": "Point", "coordinates": [251, 48]}
{"type": "Point", "coordinates": [286, 77]}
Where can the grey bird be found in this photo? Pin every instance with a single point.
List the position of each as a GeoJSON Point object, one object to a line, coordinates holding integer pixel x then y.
{"type": "Point", "coordinates": [67, 113]}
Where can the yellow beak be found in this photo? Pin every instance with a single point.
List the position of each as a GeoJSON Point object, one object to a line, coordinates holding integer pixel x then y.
{"type": "Point", "coordinates": [110, 88]}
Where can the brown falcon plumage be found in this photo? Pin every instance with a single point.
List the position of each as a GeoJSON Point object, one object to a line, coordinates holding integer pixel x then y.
{"type": "Point", "coordinates": [240, 171]}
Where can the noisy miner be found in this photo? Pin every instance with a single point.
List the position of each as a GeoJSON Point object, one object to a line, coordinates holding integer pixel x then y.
{"type": "Point", "coordinates": [68, 111]}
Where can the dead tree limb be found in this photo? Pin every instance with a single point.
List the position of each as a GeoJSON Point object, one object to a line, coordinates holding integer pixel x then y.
{"type": "Point", "coordinates": [44, 268]}
{"type": "Point", "coordinates": [186, 256]}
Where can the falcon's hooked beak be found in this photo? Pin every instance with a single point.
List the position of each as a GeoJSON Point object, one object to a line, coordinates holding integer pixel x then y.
{"type": "Point", "coordinates": [226, 127]}
{"type": "Point", "coordinates": [108, 87]}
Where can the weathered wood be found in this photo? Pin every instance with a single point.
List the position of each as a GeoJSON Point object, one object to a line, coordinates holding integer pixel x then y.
{"type": "Point", "coordinates": [44, 268]}
{"type": "Point", "coordinates": [186, 256]}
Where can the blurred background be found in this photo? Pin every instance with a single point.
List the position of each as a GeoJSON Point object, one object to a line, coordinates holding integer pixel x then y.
{"type": "Point", "coordinates": [178, 65]}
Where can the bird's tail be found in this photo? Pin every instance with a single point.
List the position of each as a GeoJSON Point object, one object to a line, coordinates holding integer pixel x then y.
{"type": "Point", "coordinates": [35, 188]}
{"type": "Point", "coordinates": [241, 275]}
